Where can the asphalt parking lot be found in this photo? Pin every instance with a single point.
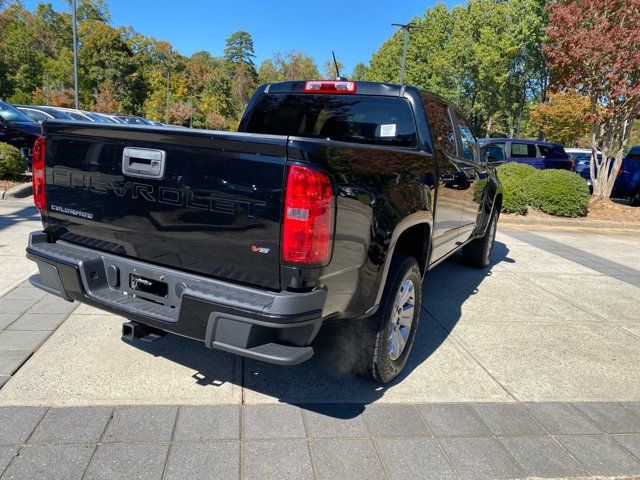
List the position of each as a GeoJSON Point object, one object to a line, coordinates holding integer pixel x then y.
{"type": "Point", "coordinates": [528, 368]}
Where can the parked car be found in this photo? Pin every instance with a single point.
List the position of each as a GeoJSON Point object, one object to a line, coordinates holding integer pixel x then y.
{"type": "Point", "coordinates": [581, 158]}
{"type": "Point", "coordinates": [40, 113]}
{"type": "Point", "coordinates": [103, 117]}
{"type": "Point", "coordinates": [329, 205]}
{"type": "Point", "coordinates": [18, 129]}
{"type": "Point", "coordinates": [76, 114]}
{"type": "Point", "coordinates": [135, 120]}
{"type": "Point", "coordinates": [115, 118]}
{"type": "Point", "coordinates": [538, 154]}
{"type": "Point", "coordinates": [628, 182]}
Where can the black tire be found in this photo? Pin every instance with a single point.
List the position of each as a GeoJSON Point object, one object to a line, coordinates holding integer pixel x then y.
{"type": "Point", "coordinates": [371, 337]}
{"type": "Point", "coordinates": [477, 253]}
{"type": "Point", "coordinates": [634, 200]}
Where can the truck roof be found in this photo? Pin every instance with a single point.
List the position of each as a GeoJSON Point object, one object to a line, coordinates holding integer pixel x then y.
{"type": "Point", "coordinates": [363, 88]}
{"type": "Point", "coordinates": [518, 140]}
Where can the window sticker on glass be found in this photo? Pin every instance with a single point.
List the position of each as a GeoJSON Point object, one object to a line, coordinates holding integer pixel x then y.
{"type": "Point", "coordinates": [388, 130]}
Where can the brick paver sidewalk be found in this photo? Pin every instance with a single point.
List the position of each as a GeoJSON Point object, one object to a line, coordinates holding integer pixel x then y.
{"type": "Point", "coordinates": [338, 441]}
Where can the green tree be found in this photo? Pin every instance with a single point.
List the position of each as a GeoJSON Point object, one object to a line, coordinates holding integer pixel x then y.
{"type": "Point", "coordinates": [239, 51]}
{"type": "Point", "coordinates": [268, 72]}
{"type": "Point", "coordinates": [330, 69]}
{"type": "Point", "coordinates": [92, 10]}
{"type": "Point", "coordinates": [480, 56]}
{"type": "Point", "coordinates": [106, 64]}
{"type": "Point", "coordinates": [359, 71]}
{"type": "Point", "coordinates": [291, 65]}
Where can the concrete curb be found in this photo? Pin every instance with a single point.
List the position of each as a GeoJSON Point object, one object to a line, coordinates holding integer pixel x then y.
{"type": "Point", "coordinates": [19, 191]}
{"type": "Point", "coordinates": [574, 223]}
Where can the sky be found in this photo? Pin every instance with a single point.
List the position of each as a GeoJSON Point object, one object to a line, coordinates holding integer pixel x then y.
{"type": "Point", "coordinates": [354, 29]}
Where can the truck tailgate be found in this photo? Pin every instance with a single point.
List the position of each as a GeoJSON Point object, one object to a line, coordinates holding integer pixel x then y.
{"type": "Point", "coordinates": [213, 210]}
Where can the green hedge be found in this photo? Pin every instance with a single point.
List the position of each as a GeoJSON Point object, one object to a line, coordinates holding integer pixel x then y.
{"type": "Point", "coordinates": [561, 193]}
{"type": "Point", "coordinates": [556, 192]}
{"type": "Point", "coordinates": [11, 161]}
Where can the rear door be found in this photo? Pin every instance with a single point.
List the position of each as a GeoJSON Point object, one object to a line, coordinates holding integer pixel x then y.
{"type": "Point", "coordinates": [471, 166]}
{"type": "Point", "coordinates": [451, 178]}
{"type": "Point", "coordinates": [213, 210]}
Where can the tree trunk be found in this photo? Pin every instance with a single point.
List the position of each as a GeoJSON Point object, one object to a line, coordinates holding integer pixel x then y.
{"type": "Point", "coordinates": [489, 126]}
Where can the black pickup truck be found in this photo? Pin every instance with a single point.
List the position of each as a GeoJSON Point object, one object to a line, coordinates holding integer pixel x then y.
{"type": "Point", "coordinates": [329, 205]}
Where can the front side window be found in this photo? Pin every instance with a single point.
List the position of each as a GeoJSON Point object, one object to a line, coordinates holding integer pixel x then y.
{"type": "Point", "coordinates": [523, 150]}
{"type": "Point", "coordinates": [468, 140]}
{"type": "Point", "coordinates": [346, 118]}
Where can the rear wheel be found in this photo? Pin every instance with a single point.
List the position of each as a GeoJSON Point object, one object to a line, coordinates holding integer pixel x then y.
{"type": "Point", "coordinates": [477, 253]}
{"type": "Point", "coordinates": [634, 200]}
{"type": "Point", "coordinates": [384, 340]}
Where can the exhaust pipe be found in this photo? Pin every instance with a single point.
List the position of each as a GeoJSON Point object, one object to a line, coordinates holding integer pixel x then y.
{"type": "Point", "coordinates": [137, 331]}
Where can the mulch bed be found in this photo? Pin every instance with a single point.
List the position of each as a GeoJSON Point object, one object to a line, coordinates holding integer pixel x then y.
{"type": "Point", "coordinates": [6, 184]}
{"type": "Point", "coordinates": [613, 210]}
{"type": "Point", "coordinates": [607, 210]}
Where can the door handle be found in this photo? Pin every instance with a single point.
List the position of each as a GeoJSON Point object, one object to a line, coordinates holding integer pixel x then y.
{"type": "Point", "coordinates": [143, 162]}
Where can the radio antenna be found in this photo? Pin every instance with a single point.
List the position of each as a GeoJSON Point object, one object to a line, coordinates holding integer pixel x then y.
{"type": "Point", "coordinates": [335, 64]}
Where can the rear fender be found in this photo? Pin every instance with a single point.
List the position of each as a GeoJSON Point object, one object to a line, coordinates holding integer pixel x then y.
{"type": "Point", "coordinates": [418, 218]}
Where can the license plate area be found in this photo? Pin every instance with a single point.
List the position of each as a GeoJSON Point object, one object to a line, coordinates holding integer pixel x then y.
{"type": "Point", "coordinates": [148, 285]}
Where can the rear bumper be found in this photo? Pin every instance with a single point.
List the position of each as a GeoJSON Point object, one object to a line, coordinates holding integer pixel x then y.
{"type": "Point", "coordinates": [275, 327]}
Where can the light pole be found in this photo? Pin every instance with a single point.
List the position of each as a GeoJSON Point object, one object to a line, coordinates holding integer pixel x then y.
{"type": "Point", "coordinates": [166, 113]}
{"type": "Point", "coordinates": [406, 29]}
{"type": "Point", "coordinates": [75, 56]}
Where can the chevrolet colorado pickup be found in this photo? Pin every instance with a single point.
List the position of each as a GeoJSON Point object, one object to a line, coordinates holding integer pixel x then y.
{"type": "Point", "coordinates": [329, 205]}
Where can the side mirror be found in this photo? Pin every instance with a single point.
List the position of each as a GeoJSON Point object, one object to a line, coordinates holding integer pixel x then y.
{"type": "Point", "coordinates": [493, 155]}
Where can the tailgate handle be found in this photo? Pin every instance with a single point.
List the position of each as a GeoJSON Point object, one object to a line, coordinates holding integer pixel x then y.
{"type": "Point", "coordinates": [143, 162]}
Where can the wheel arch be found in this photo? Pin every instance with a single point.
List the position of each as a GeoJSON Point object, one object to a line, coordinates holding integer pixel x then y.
{"type": "Point", "coordinates": [413, 238]}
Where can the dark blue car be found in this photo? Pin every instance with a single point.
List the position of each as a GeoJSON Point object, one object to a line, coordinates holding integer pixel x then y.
{"type": "Point", "coordinates": [628, 182]}
{"type": "Point", "coordinates": [538, 154]}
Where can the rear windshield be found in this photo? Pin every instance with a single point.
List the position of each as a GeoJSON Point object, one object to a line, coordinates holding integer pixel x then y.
{"type": "Point", "coordinates": [361, 119]}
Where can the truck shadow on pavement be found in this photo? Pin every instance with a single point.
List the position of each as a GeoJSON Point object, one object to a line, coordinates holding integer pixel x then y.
{"type": "Point", "coordinates": [18, 217]}
{"type": "Point", "coordinates": [324, 384]}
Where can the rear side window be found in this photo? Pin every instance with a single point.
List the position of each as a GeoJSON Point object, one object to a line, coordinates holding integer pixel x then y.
{"type": "Point", "coordinates": [523, 150]}
{"type": "Point", "coordinates": [347, 118]}
{"type": "Point", "coordinates": [442, 132]}
{"type": "Point", "coordinates": [553, 151]}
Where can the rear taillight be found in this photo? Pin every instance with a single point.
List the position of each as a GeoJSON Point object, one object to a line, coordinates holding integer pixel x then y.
{"type": "Point", "coordinates": [37, 161]}
{"type": "Point", "coordinates": [326, 86]}
{"type": "Point", "coordinates": [307, 229]}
